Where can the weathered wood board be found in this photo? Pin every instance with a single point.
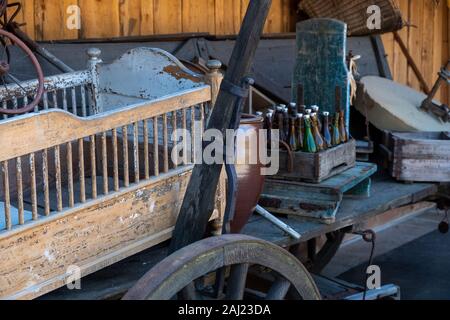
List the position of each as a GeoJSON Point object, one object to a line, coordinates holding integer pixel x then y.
{"type": "Point", "coordinates": [317, 201]}
{"type": "Point", "coordinates": [423, 157]}
{"type": "Point", "coordinates": [36, 257]}
{"type": "Point", "coordinates": [321, 65]}
{"type": "Point", "coordinates": [317, 167]}
{"type": "Point", "coordinates": [386, 195]}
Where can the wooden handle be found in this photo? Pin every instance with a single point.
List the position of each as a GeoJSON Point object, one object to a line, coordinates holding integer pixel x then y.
{"type": "Point", "coordinates": [198, 204]}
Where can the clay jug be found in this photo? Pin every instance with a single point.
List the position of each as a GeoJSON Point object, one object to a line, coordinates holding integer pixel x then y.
{"type": "Point", "coordinates": [250, 180]}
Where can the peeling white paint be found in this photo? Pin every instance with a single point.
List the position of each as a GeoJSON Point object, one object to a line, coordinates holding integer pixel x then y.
{"type": "Point", "coordinates": [152, 206]}
{"type": "Point", "coordinates": [50, 257]}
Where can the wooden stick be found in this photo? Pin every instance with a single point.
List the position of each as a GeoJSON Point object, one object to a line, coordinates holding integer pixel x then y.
{"type": "Point", "coordinates": [69, 160]}
{"type": "Point", "coordinates": [81, 170]}
{"type": "Point", "coordinates": [93, 167]}
{"type": "Point", "coordinates": [45, 182]}
{"type": "Point", "coordinates": [7, 195]}
{"type": "Point", "coordinates": [34, 203]}
{"type": "Point", "coordinates": [19, 181]}
{"type": "Point", "coordinates": [116, 160]}
{"type": "Point", "coordinates": [166, 144]}
{"type": "Point", "coordinates": [136, 152]}
{"type": "Point", "coordinates": [126, 166]}
{"type": "Point", "coordinates": [155, 146]}
{"type": "Point", "coordinates": [59, 199]}
{"type": "Point", "coordinates": [146, 151]}
{"type": "Point", "coordinates": [105, 164]}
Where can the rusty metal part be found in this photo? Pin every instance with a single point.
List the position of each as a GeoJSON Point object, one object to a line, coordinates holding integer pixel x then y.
{"type": "Point", "coordinates": [238, 252]}
{"type": "Point", "coordinates": [442, 111]}
{"type": "Point", "coordinates": [36, 65]}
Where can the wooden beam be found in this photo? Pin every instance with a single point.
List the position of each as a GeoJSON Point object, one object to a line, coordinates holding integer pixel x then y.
{"type": "Point", "coordinates": [198, 203]}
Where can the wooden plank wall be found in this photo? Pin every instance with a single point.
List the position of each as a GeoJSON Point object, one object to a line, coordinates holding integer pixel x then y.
{"type": "Point", "coordinates": [112, 18]}
{"type": "Point", "coordinates": [427, 40]}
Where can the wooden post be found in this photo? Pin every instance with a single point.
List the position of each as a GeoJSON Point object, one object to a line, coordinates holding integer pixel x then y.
{"type": "Point", "coordinates": [198, 204]}
{"type": "Point", "coordinates": [214, 79]}
{"type": "Point", "coordinates": [93, 61]}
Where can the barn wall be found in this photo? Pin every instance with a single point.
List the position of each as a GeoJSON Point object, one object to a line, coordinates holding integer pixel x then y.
{"type": "Point", "coordinates": [111, 18]}
{"type": "Point", "coordinates": [427, 41]}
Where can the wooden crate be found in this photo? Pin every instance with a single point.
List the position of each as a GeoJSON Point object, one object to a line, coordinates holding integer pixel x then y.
{"type": "Point", "coordinates": [317, 167]}
{"type": "Point", "coordinates": [421, 156]}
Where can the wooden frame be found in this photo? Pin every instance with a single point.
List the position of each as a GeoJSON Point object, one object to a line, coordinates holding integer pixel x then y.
{"type": "Point", "coordinates": [88, 192]}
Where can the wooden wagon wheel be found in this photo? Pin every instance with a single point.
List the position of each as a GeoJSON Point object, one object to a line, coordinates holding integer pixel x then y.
{"type": "Point", "coordinates": [7, 39]}
{"type": "Point", "coordinates": [180, 270]}
{"type": "Point", "coordinates": [319, 259]}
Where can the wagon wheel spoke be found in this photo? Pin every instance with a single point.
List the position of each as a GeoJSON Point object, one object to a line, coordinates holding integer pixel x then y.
{"type": "Point", "coordinates": [279, 289]}
{"type": "Point", "coordinates": [16, 81]}
{"type": "Point", "coordinates": [190, 293]}
{"type": "Point", "coordinates": [237, 281]}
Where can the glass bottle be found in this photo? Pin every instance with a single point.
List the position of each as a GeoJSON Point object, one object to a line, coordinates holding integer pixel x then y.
{"type": "Point", "coordinates": [292, 140]}
{"type": "Point", "coordinates": [326, 130]}
{"type": "Point", "coordinates": [302, 109]}
{"type": "Point", "coordinates": [309, 145]}
{"type": "Point", "coordinates": [286, 123]}
{"type": "Point", "coordinates": [300, 129]}
{"type": "Point", "coordinates": [275, 117]}
{"type": "Point", "coordinates": [336, 136]}
{"type": "Point", "coordinates": [280, 125]}
{"type": "Point", "coordinates": [342, 129]}
{"type": "Point", "coordinates": [320, 144]}
{"type": "Point", "coordinates": [315, 109]}
{"type": "Point", "coordinates": [293, 109]}
{"type": "Point", "coordinates": [268, 125]}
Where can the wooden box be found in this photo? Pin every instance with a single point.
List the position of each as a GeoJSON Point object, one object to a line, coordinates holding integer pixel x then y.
{"type": "Point", "coordinates": [317, 167]}
{"type": "Point", "coordinates": [421, 156]}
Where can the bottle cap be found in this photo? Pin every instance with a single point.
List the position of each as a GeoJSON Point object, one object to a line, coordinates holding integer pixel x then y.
{"type": "Point", "coordinates": [259, 114]}
{"type": "Point", "coordinates": [315, 108]}
{"type": "Point", "coordinates": [299, 115]}
{"type": "Point", "coordinates": [283, 106]}
{"type": "Point", "coordinates": [293, 104]}
{"type": "Point", "coordinates": [308, 111]}
{"type": "Point", "coordinates": [326, 114]}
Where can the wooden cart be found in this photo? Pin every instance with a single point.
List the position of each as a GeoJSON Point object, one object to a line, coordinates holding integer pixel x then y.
{"type": "Point", "coordinates": [88, 178]}
{"type": "Point", "coordinates": [88, 181]}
